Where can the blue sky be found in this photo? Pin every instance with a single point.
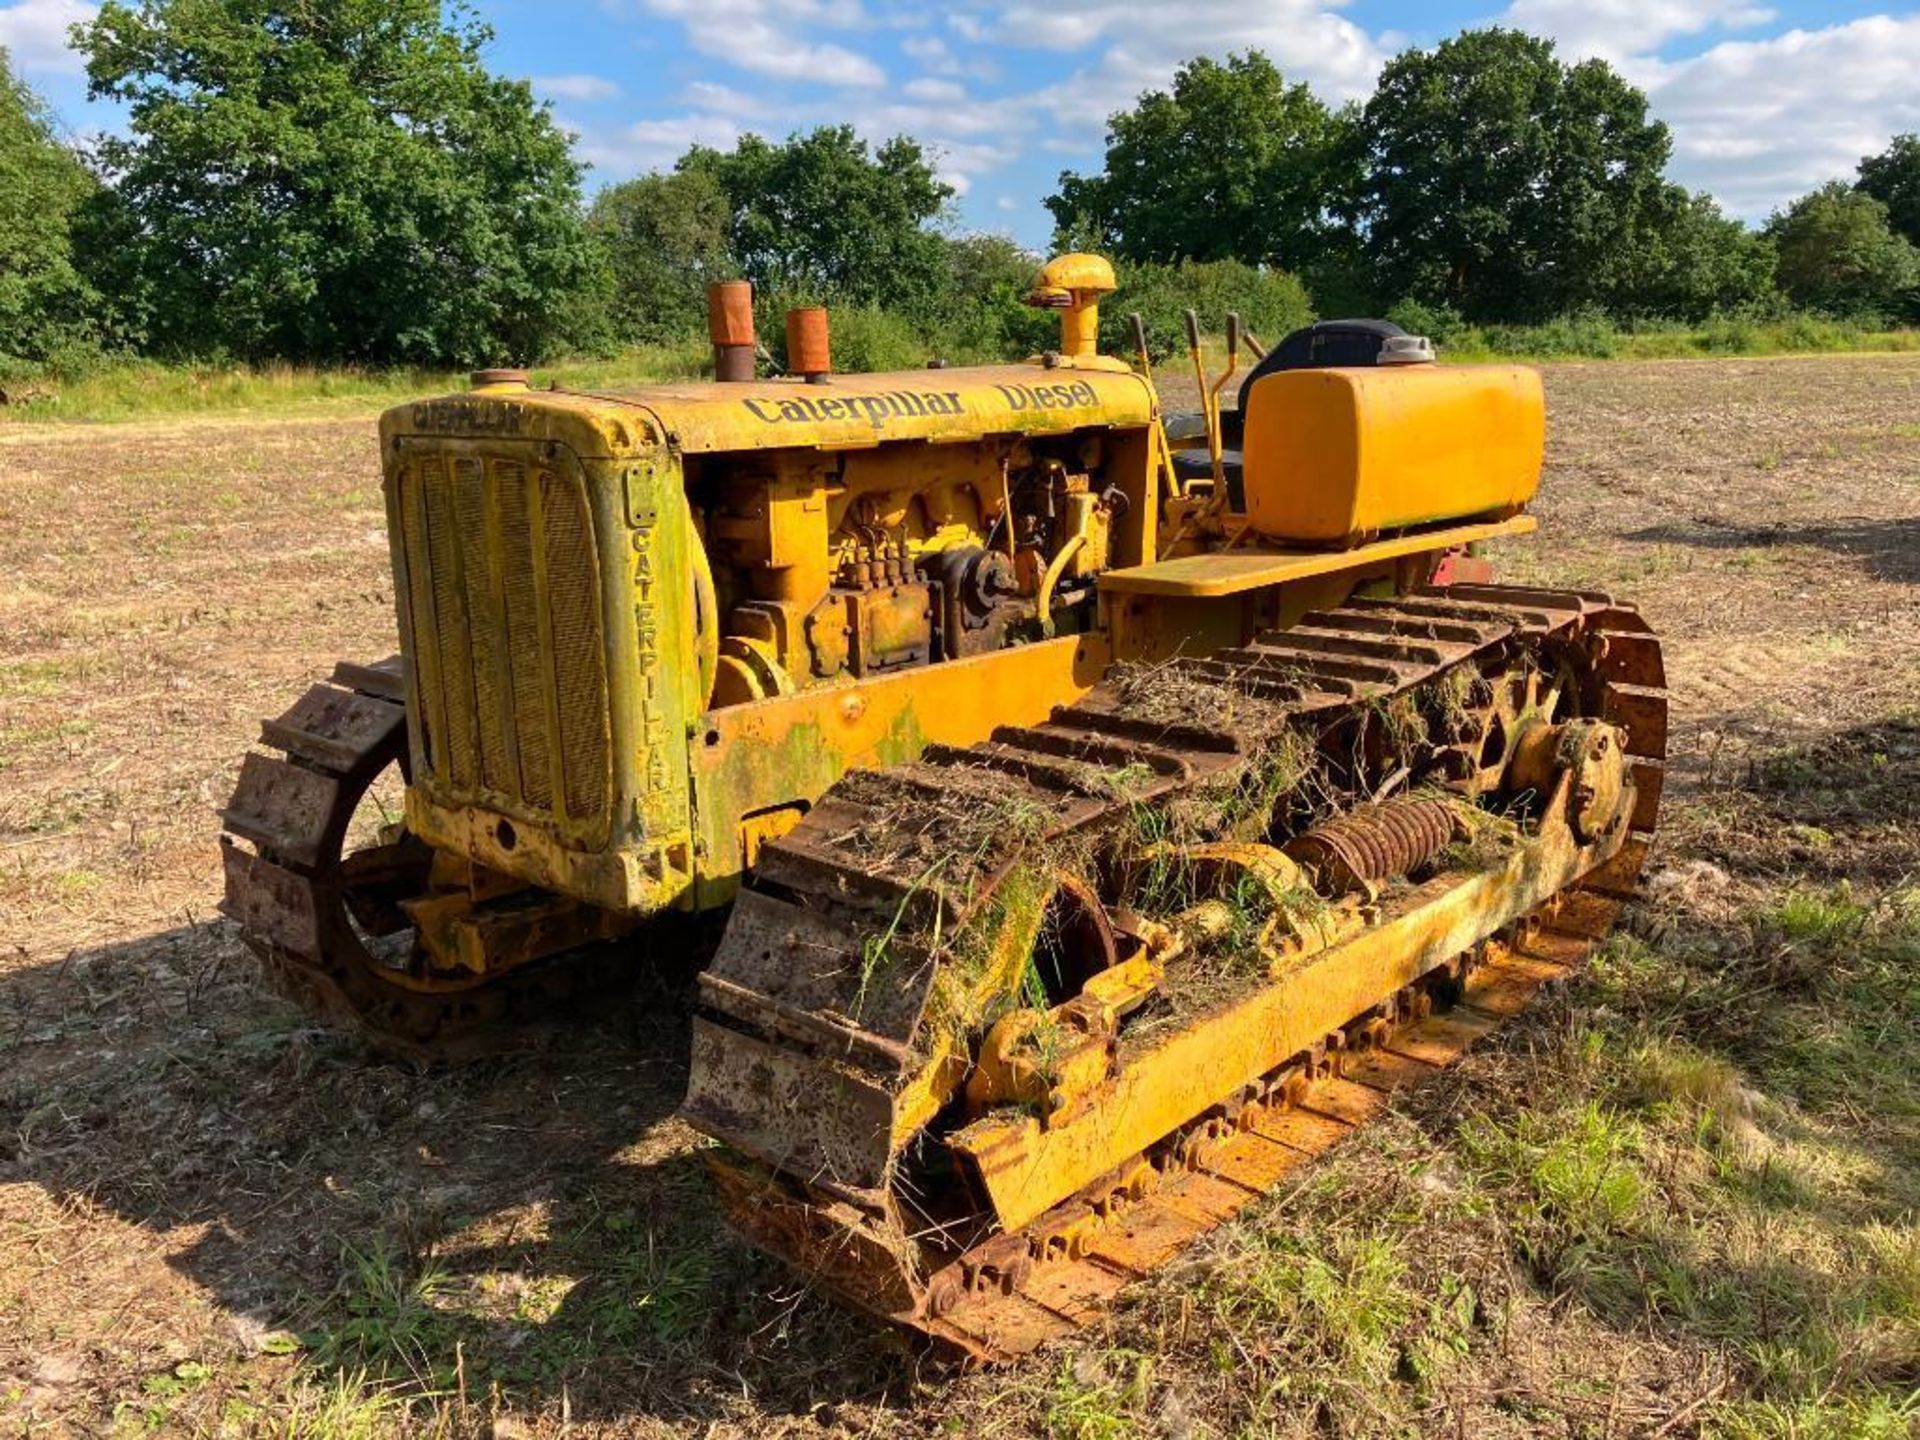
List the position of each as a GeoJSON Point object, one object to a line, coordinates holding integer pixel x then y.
{"type": "Point", "coordinates": [1766, 100]}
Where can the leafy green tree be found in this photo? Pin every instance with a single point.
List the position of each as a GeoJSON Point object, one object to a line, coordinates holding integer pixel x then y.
{"type": "Point", "coordinates": [1269, 302]}
{"type": "Point", "coordinates": [46, 307]}
{"type": "Point", "coordinates": [1501, 181]}
{"type": "Point", "coordinates": [665, 237]}
{"type": "Point", "coordinates": [1232, 163]}
{"type": "Point", "coordinates": [338, 181]}
{"type": "Point", "coordinates": [821, 215]}
{"type": "Point", "coordinates": [1893, 178]}
{"type": "Point", "coordinates": [985, 316]}
{"type": "Point", "coordinates": [1694, 261]}
{"type": "Point", "coordinates": [1838, 253]}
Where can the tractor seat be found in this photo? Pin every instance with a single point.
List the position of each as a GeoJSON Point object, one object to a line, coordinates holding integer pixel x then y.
{"type": "Point", "coordinates": [1329, 342]}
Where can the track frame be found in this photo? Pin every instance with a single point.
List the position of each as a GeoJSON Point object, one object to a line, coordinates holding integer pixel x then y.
{"type": "Point", "coordinates": [1061, 1240]}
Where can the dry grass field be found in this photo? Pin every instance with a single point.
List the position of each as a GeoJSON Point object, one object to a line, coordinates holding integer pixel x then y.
{"type": "Point", "coordinates": [1681, 1197]}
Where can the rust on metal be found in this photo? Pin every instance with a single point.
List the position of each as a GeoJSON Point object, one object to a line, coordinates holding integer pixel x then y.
{"type": "Point", "coordinates": [809, 352]}
{"type": "Point", "coordinates": [1096, 855]}
{"type": "Point", "coordinates": [335, 929]}
{"type": "Point", "coordinates": [1377, 842]}
{"type": "Point", "coordinates": [730, 327]}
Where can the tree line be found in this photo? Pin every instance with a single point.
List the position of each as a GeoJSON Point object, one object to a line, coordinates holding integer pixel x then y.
{"type": "Point", "coordinates": [1487, 179]}
{"type": "Point", "coordinates": [350, 183]}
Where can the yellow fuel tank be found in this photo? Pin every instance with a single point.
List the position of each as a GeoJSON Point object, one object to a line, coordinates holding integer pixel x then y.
{"type": "Point", "coordinates": [1334, 456]}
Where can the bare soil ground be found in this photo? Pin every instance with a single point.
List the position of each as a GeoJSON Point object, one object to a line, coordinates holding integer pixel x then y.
{"type": "Point", "coordinates": [1678, 1199]}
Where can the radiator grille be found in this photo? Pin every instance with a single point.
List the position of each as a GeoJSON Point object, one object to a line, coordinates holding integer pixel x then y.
{"type": "Point", "coordinates": [507, 656]}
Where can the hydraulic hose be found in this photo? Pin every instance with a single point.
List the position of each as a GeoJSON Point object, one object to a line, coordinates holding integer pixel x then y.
{"type": "Point", "coordinates": [1044, 601]}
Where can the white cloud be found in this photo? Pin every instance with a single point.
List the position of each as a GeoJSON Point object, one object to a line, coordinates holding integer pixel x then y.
{"type": "Point", "coordinates": [937, 57]}
{"type": "Point", "coordinates": [1148, 39]}
{"type": "Point", "coordinates": [757, 35]}
{"type": "Point", "coordinates": [925, 88]}
{"type": "Point", "coordinates": [575, 87]}
{"type": "Point", "coordinates": [1620, 30]}
{"type": "Point", "coordinates": [932, 52]}
{"type": "Point", "coordinates": [963, 141]}
{"type": "Point", "coordinates": [650, 144]}
{"type": "Point", "coordinates": [964, 138]}
{"type": "Point", "coordinates": [1006, 204]}
{"type": "Point", "coordinates": [1759, 122]}
{"type": "Point", "coordinates": [34, 34]}
{"type": "Point", "coordinates": [722, 99]}
{"type": "Point", "coordinates": [1755, 121]}
{"type": "Point", "coordinates": [1136, 45]}
{"type": "Point", "coordinates": [1000, 122]}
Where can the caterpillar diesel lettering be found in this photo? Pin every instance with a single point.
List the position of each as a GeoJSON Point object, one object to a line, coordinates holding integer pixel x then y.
{"type": "Point", "coordinates": [1101, 827]}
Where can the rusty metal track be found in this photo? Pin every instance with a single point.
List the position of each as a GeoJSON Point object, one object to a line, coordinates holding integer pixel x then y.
{"type": "Point", "coordinates": [797, 1053]}
{"type": "Point", "coordinates": [327, 925]}
{"type": "Point", "coordinates": [1207, 1176]}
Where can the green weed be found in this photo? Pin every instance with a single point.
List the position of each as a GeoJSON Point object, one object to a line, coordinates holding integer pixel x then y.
{"type": "Point", "coordinates": [30, 679]}
{"type": "Point", "coordinates": [382, 1321]}
{"type": "Point", "coordinates": [1097, 1396]}
{"type": "Point", "coordinates": [660, 1290]}
{"type": "Point", "coordinates": [1341, 1306]}
{"type": "Point", "coordinates": [162, 1392]}
{"type": "Point", "coordinates": [70, 885]}
{"type": "Point", "coordinates": [1575, 1172]}
{"type": "Point", "coordinates": [16, 741]}
{"type": "Point", "coordinates": [1819, 920]}
{"type": "Point", "coordinates": [347, 1407]}
{"type": "Point", "coordinates": [1873, 1417]}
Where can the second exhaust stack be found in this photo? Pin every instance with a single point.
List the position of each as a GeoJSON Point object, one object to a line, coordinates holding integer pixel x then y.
{"type": "Point", "coordinates": [730, 326]}
{"type": "Point", "coordinates": [809, 354]}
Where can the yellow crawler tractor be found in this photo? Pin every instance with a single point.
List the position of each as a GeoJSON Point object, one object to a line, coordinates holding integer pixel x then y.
{"type": "Point", "coordinates": [1102, 827]}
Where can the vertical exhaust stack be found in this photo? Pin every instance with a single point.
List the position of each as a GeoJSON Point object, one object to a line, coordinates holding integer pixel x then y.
{"type": "Point", "coordinates": [730, 327]}
{"type": "Point", "coordinates": [809, 354]}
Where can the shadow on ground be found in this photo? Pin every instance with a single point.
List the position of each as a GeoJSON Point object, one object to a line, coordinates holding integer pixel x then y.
{"type": "Point", "coordinates": [537, 1222]}
{"type": "Point", "coordinates": [1887, 549]}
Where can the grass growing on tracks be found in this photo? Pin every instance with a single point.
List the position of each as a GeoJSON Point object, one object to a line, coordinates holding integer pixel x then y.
{"type": "Point", "coordinates": [1651, 1203]}
{"type": "Point", "coordinates": [1678, 1198]}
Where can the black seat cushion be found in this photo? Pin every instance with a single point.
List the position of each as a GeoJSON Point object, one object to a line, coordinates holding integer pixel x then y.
{"type": "Point", "coordinates": [1322, 344]}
